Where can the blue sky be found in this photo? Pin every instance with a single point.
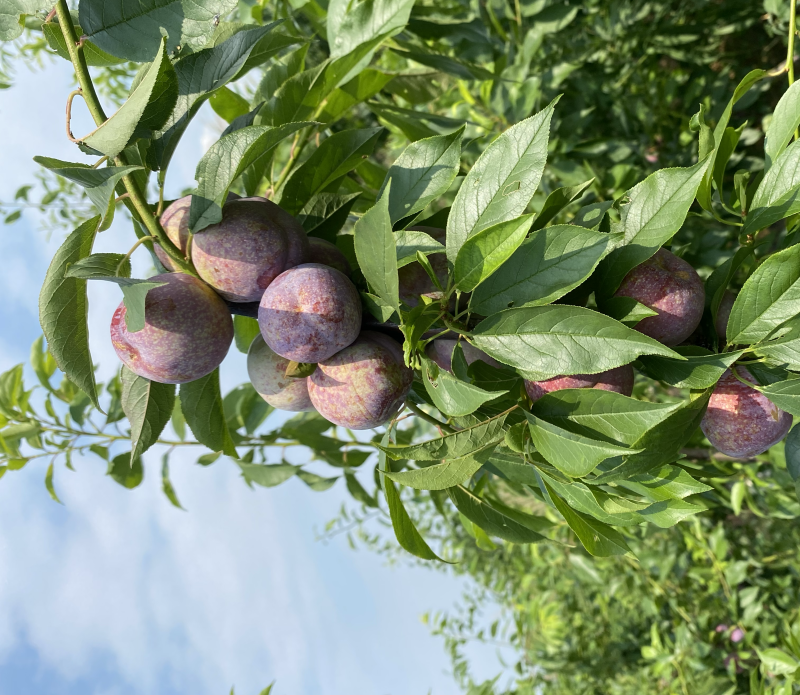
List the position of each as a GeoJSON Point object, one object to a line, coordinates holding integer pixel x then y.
{"type": "Point", "coordinates": [117, 592]}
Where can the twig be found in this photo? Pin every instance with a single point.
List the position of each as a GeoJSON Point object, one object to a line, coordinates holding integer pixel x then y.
{"type": "Point", "coordinates": [74, 93]}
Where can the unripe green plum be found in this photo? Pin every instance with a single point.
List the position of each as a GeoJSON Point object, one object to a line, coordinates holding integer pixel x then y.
{"type": "Point", "coordinates": [619, 380]}
{"type": "Point", "coordinates": [309, 313]}
{"type": "Point", "coordinates": [267, 372]}
{"type": "Point", "coordinates": [362, 386]}
{"type": "Point", "coordinates": [441, 352]}
{"type": "Point", "coordinates": [741, 421]}
{"type": "Point", "coordinates": [326, 253]}
{"type": "Point", "coordinates": [670, 286]}
{"type": "Point", "coordinates": [188, 330]}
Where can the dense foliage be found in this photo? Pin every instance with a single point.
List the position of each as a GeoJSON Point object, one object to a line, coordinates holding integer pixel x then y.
{"type": "Point", "coordinates": [499, 172]}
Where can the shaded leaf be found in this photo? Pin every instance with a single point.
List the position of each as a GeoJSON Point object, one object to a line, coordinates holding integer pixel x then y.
{"type": "Point", "coordinates": [201, 404]}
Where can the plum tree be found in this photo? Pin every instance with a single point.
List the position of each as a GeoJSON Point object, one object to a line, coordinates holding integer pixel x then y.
{"type": "Point", "coordinates": [670, 286]}
{"type": "Point", "coordinates": [441, 352]}
{"type": "Point", "coordinates": [309, 313]}
{"type": "Point", "coordinates": [619, 379]}
{"type": "Point", "coordinates": [187, 332]}
{"type": "Point", "coordinates": [362, 386]}
{"type": "Point", "coordinates": [740, 421]}
{"type": "Point", "coordinates": [239, 256]}
{"type": "Point", "coordinates": [326, 253]}
{"type": "Point", "coordinates": [267, 372]}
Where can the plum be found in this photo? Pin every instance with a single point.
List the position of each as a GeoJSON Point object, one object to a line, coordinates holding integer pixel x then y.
{"type": "Point", "coordinates": [619, 380]}
{"type": "Point", "coordinates": [309, 313]}
{"type": "Point", "coordinates": [441, 352]}
{"type": "Point", "coordinates": [362, 386]}
{"type": "Point", "coordinates": [724, 313]}
{"type": "Point", "coordinates": [267, 372]}
{"type": "Point", "coordinates": [326, 253]}
{"type": "Point", "coordinates": [670, 286]}
{"type": "Point", "coordinates": [414, 281]}
{"type": "Point", "coordinates": [188, 330]}
{"type": "Point", "coordinates": [740, 421]}
{"type": "Point", "coordinates": [254, 243]}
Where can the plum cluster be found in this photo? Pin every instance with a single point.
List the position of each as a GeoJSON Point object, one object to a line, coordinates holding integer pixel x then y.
{"type": "Point", "coordinates": [309, 313]}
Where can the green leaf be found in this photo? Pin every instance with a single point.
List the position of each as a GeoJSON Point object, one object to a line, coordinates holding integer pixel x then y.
{"type": "Point", "coordinates": [718, 281]}
{"type": "Point", "coordinates": [455, 445]}
{"type": "Point", "coordinates": [656, 210]}
{"type": "Point", "coordinates": [502, 182]}
{"type": "Point", "coordinates": [377, 307]}
{"type": "Point", "coordinates": [228, 105]}
{"type": "Point", "coordinates": [148, 406]}
{"type": "Point", "coordinates": [356, 489]}
{"type": "Point", "coordinates": [134, 295]}
{"type": "Point", "coordinates": [778, 194]}
{"type": "Point", "coordinates": [591, 216]}
{"type": "Point", "coordinates": [375, 251]}
{"type": "Point", "coordinates": [201, 403]}
{"type": "Point", "coordinates": [224, 162]}
{"type": "Point", "coordinates": [484, 252]}
{"type": "Point", "coordinates": [495, 523]}
{"type": "Point", "coordinates": [128, 29]}
{"type": "Point", "coordinates": [422, 173]}
{"type": "Point", "coordinates": [316, 482]}
{"type": "Point", "coordinates": [404, 530]}
{"type": "Point", "coordinates": [785, 349]}
{"type": "Point", "coordinates": [43, 365]}
{"type": "Point", "coordinates": [667, 483]}
{"type": "Point", "coordinates": [769, 298]}
{"type": "Point", "coordinates": [777, 662]}
{"type": "Point", "coordinates": [12, 16]}
{"type": "Point", "coordinates": [409, 241]}
{"type": "Point", "coordinates": [166, 483]}
{"type": "Point", "coordinates": [697, 371]}
{"type": "Point", "coordinates": [443, 63]}
{"type": "Point", "coordinates": [598, 538]}
{"type": "Point", "coordinates": [100, 265]}
{"type": "Point", "coordinates": [267, 475]}
{"type": "Point", "coordinates": [557, 201]}
{"type": "Point", "coordinates": [549, 264]}
{"type": "Point", "coordinates": [98, 183]}
{"type": "Point", "coordinates": [441, 476]}
{"type": "Point", "coordinates": [452, 396]}
{"type": "Point", "coordinates": [245, 330]}
{"type": "Point", "coordinates": [561, 340]}
{"type": "Point", "coordinates": [63, 310]}
{"type": "Point", "coordinates": [626, 310]}
{"type": "Point", "coordinates": [792, 451]}
{"type": "Point", "coordinates": [198, 75]}
{"type": "Point", "coordinates": [336, 156]}
{"type": "Point", "coordinates": [363, 86]}
{"type": "Point", "coordinates": [126, 473]}
{"type": "Point", "coordinates": [785, 119]}
{"type": "Point", "coordinates": [572, 454]}
{"type": "Point", "coordinates": [784, 394]}
{"type": "Point", "coordinates": [326, 213]}
{"type": "Point", "coordinates": [94, 56]}
{"type": "Point", "coordinates": [48, 483]}
{"type": "Point", "coordinates": [350, 25]}
{"type": "Point", "coordinates": [144, 112]}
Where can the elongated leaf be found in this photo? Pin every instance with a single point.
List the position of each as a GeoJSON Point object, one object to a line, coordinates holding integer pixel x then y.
{"type": "Point", "coordinates": [100, 265]}
{"type": "Point", "coordinates": [777, 662]}
{"type": "Point", "coordinates": [350, 25]}
{"type": "Point", "coordinates": [626, 310]}
{"type": "Point", "coordinates": [598, 538]}
{"type": "Point", "coordinates": [148, 406]}
{"type": "Point", "coordinates": [656, 211]}
{"type": "Point", "coordinates": [549, 264]}
{"type": "Point", "coordinates": [11, 16]}
{"type": "Point", "coordinates": [201, 403]}
{"type": "Point", "coordinates": [695, 372]}
{"type": "Point", "coordinates": [667, 483]}
{"type": "Point", "coordinates": [770, 296]}
{"type": "Point", "coordinates": [718, 281]}
{"type": "Point", "coordinates": [127, 474]}
{"type": "Point", "coordinates": [317, 482]}
{"type": "Point", "coordinates": [375, 251]}
{"type": "Point", "coordinates": [573, 454]}
{"type": "Point", "coordinates": [455, 445]}
{"type": "Point", "coordinates": [784, 394]}
{"type": "Point", "coordinates": [198, 75]}
{"type": "Point", "coordinates": [363, 86]}
{"type": "Point", "coordinates": [443, 475]}
{"type": "Point", "coordinates": [452, 396]}
{"type": "Point", "coordinates": [792, 451]}
{"type": "Point", "coordinates": [561, 340]}
{"type": "Point", "coordinates": [63, 310]}
{"type": "Point", "coordinates": [484, 252]}
{"type": "Point", "coordinates": [409, 241]}
{"type": "Point", "coordinates": [326, 213]}
{"type": "Point", "coordinates": [48, 483]}
{"type": "Point", "coordinates": [778, 194]}
{"type": "Point", "coordinates": [95, 57]}
{"type": "Point", "coordinates": [124, 28]}
{"type": "Point", "coordinates": [422, 173]}
{"type": "Point", "coordinates": [785, 120]}
{"type": "Point", "coordinates": [557, 201]}
{"type": "Point", "coordinates": [502, 182]}
{"type": "Point", "coordinates": [785, 349]}
{"type": "Point", "coordinates": [99, 183]}
{"type": "Point", "coordinates": [245, 330]}
{"type": "Point", "coordinates": [166, 484]}
{"type": "Point", "coordinates": [336, 156]}
{"type": "Point", "coordinates": [489, 519]}
{"type": "Point", "coordinates": [224, 162]}
{"type": "Point", "coordinates": [267, 475]}
{"type": "Point", "coordinates": [443, 63]}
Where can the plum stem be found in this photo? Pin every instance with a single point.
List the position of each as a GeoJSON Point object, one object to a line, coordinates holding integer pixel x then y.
{"type": "Point", "coordinates": [130, 253]}
{"type": "Point", "coordinates": [429, 418]}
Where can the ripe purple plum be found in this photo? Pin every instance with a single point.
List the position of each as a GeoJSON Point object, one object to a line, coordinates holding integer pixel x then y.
{"type": "Point", "coordinates": [740, 421]}
{"type": "Point", "coordinates": [619, 380]}
{"type": "Point", "coordinates": [670, 286]}
{"type": "Point", "coordinates": [441, 352]}
{"type": "Point", "coordinates": [362, 386]}
{"type": "Point", "coordinates": [267, 372]}
{"type": "Point", "coordinates": [309, 313]}
{"type": "Point", "coordinates": [724, 313]}
{"type": "Point", "coordinates": [187, 332]}
{"type": "Point", "coordinates": [326, 253]}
